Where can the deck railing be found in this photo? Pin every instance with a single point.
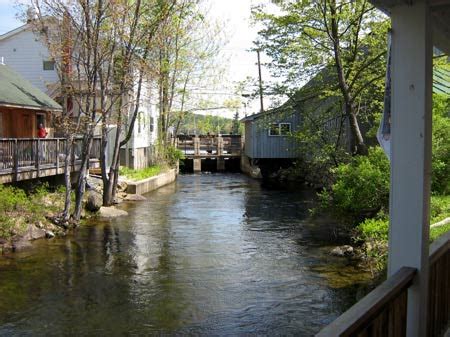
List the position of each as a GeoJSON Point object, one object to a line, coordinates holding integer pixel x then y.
{"type": "Point", "coordinates": [383, 312]}
{"type": "Point", "coordinates": [25, 154]}
{"type": "Point", "coordinates": [439, 287]}
{"type": "Point", "coordinates": [205, 145]}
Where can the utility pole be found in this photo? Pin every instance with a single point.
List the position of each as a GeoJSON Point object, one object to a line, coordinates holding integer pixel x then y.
{"type": "Point", "coordinates": [260, 82]}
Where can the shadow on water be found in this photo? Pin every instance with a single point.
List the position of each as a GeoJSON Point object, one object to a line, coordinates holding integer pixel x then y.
{"type": "Point", "coordinates": [215, 254]}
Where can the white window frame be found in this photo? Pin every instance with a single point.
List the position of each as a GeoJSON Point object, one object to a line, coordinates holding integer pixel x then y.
{"type": "Point", "coordinates": [279, 134]}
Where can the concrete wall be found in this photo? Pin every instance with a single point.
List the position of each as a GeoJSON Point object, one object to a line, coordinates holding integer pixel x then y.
{"type": "Point", "coordinates": [153, 183]}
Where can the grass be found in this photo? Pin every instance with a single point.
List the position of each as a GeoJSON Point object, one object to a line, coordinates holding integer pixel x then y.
{"type": "Point", "coordinates": [440, 208]}
{"type": "Point", "coordinates": [141, 174]}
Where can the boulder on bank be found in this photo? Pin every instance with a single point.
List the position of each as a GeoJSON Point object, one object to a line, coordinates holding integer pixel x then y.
{"type": "Point", "coordinates": [94, 201]}
{"type": "Point", "coordinates": [342, 251]}
{"type": "Point", "coordinates": [111, 212]}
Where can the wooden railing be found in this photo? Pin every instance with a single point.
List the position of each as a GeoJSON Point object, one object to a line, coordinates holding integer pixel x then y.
{"type": "Point", "coordinates": [383, 312]}
{"type": "Point", "coordinates": [439, 287]}
{"type": "Point", "coordinates": [210, 146]}
{"type": "Point", "coordinates": [26, 154]}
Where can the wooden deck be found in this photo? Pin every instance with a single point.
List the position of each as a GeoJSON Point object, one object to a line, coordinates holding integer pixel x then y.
{"type": "Point", "coordinates": [30, 158]}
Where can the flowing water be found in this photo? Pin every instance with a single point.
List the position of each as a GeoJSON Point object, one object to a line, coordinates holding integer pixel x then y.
{"type": "Point", "coordinates": [208, 255]}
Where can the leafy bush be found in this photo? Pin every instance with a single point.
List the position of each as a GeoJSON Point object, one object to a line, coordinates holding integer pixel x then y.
{"type": "Point", "coordinates": [440, 181]}
{"type": "Point", "coordinates": [173, 155]}
{"type": "Point", "coordinates": [361, 187]}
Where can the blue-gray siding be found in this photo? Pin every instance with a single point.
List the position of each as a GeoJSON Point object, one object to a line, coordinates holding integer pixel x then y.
{"type": "Point", "coordinates": [258, 143]}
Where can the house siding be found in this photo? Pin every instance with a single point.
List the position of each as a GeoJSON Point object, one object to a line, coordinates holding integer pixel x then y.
{"type": "Point", "coordinates": [259, 145]}
{"type": "Point", "coordinates": [24, 53]}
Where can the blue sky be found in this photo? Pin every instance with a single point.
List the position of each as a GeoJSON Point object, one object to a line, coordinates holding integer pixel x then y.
{"type": "Point", "coordinates": [8, 11]}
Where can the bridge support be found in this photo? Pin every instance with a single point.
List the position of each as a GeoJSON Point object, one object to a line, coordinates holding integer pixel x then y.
{"type": "Point", "coordinates": [220, 164]}
{"type": "Point", "coordinates": [197, 165]}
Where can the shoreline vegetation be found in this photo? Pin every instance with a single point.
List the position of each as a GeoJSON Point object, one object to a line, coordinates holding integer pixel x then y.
{"type": "Point", "coordinates": [31, 213]}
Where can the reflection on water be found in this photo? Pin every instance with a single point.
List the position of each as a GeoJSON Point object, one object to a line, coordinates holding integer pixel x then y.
{"type": "Point", "coordinates": [209, 255]}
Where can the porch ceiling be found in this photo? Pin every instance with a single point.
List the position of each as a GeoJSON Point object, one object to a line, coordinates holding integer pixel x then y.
{"type": "Point", "coordinates": [440, 11]}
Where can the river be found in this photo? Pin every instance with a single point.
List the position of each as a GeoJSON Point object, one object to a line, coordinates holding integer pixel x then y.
{"type": "Point", "coordinates": [208, 255]}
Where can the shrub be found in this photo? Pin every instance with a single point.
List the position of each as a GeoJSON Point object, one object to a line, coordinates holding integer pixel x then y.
{"type": "Point", "coordinates": [361, 187]}
{"type": "Point", "coordinates": [173, 155]}
{"type": "Point", "coordinates": [440, 181]}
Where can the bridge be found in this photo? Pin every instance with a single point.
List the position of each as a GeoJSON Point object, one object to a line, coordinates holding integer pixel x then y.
{"type": "Point", "coordinates": [216, 147]}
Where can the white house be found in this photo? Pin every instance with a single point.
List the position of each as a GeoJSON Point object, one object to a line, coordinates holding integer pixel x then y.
{"type": "Point", "coordinates": [23, 51]}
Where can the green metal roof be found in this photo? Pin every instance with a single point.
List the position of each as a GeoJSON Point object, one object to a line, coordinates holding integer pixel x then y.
{"type": "Point", "coordinates": [441, 80]}
{"type": "Point", "coordinates": [16, 91]}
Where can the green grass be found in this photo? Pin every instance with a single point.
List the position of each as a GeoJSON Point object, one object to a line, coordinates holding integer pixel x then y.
{"type": "Point", "coordinates": [140, 174]}
{"type": "Point", "coordinates": [438, 231]}
{"type": "Point", "coordinates": [440, 208]}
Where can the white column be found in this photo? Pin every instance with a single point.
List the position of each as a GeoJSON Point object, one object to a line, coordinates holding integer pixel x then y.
{"type": "Point", "coordinates": [411, 153]}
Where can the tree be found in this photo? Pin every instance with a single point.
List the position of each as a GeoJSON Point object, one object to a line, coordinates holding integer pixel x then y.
{"type": "Point", "coordinates": [348, 38]}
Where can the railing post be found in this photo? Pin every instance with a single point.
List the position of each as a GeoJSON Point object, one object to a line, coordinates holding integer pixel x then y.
{"type": "Point", "coordinates": [16, 161]}
{"type": "Point", "coordinates": [196, 145]}
{"type": "Point", "coordinates": [219, 145]}
{"type": "Point", "coordinates": [57, 155]}
{"type": "Point", "coordinates": [38, 155]}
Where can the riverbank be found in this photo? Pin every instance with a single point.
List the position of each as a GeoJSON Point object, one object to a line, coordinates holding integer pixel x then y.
{"type": "Point", "coordinates": [28, 215]}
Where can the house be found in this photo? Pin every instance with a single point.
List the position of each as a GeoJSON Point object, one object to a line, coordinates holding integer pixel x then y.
{"type": "Point", "coordinates": [23, 106]}
{"type": "Point", "coordinates": [23, 50]}
{"type": "Point", "coordinates": [268, 135]}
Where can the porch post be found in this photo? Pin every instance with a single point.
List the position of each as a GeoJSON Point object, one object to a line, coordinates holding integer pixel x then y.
{"type": "Point", "coordinates": [411, 153]}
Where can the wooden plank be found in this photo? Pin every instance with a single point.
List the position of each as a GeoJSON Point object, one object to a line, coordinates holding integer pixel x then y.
{"type": "Point", "coordinates": [363, 312]}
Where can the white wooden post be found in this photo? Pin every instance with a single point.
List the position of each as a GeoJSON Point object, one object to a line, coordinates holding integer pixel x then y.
{"type": "Point", "coordinates": [411, 153]}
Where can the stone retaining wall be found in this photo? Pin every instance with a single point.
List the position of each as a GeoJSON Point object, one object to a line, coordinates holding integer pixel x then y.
{"type": "Point", "coordinates": [151, 184]}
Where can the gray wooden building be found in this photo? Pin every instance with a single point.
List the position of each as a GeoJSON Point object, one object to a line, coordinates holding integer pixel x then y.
{"type": "Point", "coordinates": [268, 135]}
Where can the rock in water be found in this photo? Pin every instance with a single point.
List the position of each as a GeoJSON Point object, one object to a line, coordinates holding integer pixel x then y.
{"type": "Point", "coordinates": [135, 197]}
{"type": "Point", "coordinates": [111, 212]}
{"type": "Point", "coordinates": [342, 251]}
{"type": "Point", "coordinates": [49, 234]}
{"type": "Point", "coordinates": [94, 201]}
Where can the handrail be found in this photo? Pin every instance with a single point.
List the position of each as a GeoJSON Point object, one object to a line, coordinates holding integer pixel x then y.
{"type": "Point", "coordinates": [362, 313]}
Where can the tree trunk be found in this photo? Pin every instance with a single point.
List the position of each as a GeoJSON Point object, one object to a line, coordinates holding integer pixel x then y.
{"type": "Point", "coordinates": [81, 184]}
{"type": "Point", "coordinates": [67, 181]}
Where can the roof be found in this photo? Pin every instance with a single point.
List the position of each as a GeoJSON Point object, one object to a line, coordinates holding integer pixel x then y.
{"type": "Point", "coordinates": [441, 80]}
{"type": "Point", "coordinates": [15, 91]}
{"type": "Point", "coordinates": [14, 32]}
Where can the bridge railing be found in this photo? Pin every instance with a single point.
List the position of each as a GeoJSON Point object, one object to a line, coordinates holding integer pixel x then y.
{"type": "Point", "coordinates": [29, 154]}
{"type": "Point", "coordinates": [209, 145]}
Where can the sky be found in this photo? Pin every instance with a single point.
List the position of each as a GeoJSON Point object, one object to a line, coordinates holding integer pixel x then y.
{"type": "Point", "coordinates": [239, 62]}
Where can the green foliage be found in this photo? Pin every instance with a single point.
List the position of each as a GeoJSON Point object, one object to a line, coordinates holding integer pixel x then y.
{"type": "Point", "coordinates": [173, 155]}
{"type": "Point", "coordinates": [361, 187]}
{"type": "Point", "coordinates": [438, 231]}
{"type": "Point", "coordinates": [440, 208]}
{"type": "Point", "coordinates": [203, 124]}
{"type": "Point", "coordinates": [18, 208]}
{"type": "Point", "coordinates": [140, 174]}
{"type": "Point", "coordinates": [441, 145]}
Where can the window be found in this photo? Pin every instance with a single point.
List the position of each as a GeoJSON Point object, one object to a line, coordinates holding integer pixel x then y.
{"type": "Point", "coordinates": [152, 124]}
{"type": "Point", "coordinates": [274, 129]}
{"type": "Point", "coordinates": [49, 65]}
{"type": "Point", "coordinates": [280, 129]}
